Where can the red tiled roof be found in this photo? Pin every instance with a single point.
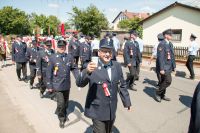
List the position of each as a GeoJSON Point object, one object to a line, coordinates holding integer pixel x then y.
{"type": "Point", "coordinates": [131, 15]}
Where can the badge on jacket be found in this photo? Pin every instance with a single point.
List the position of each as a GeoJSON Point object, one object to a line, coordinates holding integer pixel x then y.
{"type": "Point", "coordinates": [105, 89]}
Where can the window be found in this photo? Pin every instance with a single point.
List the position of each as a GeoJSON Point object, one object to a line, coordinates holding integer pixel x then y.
{"type": "Point", "coordinates": [177, 35]}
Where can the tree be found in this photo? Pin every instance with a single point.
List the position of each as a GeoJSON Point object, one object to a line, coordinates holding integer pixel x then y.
{"type": "Point", "coordinates": [90, 21]}
{"type": "Point", "coordinates": [48, 24]}
{"type": "Point", "coordinates": [52, 23]}
{"type": "Point", "coordinates": [131, 24]}
{"type": "Point", "coordinates": [14, 21]}
{"type": "Point", "coordinates": [67, 26]}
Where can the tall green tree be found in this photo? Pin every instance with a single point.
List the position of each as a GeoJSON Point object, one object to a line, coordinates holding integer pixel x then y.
{"type": "Point", "coordinates": [53, 23]}
{"type": "Point", "coordinates": [131, 24]}
{"type": "Point", "coordinates": [89, 21]}
{"type": "Point", "coordinates": [14, 21]}
{"type": "Point", "coordinates": [46, 23]}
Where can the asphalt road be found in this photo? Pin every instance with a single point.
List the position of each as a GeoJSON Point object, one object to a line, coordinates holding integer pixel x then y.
{"type": "Point", "coordinates": [22, 111]}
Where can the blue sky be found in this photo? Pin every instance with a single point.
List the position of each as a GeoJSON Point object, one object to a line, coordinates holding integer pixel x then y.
{"type": "Point", "coordinates": [110, 8]}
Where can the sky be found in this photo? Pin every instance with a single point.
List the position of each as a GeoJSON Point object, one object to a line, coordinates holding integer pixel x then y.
{"type": "Point", "coordinates": [110, 8]}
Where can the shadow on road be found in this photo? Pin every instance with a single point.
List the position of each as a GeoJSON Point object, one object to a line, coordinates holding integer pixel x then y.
{"type": "Point", "coordinates": [151, 82]}
{"type": "Point", "coordinates": [180, 74]}
{"type": "Point", "coordinates": [186, 100]}
{"type": "Point", "coordinates": [71, 106]}
{"type": "Point", "coordinates": [150, 91]}
{"type": "Point", "coordinates": [89, 130]}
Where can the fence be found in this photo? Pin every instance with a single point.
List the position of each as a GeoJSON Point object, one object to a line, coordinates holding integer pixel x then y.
{"type": "Point", "coordinates": [180, 52]}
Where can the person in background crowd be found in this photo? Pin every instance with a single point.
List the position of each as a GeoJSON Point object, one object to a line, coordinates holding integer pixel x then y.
{"type": "Point", "coordinates": [192, 52]}
{"type": "Point", "coordinates": [41, 65]}
{"type": "Point", "coordinates": [154, 55]}
{"type": "Point", "coordinates": [74, 48]}
{"type": "Point", "coordinates": [104, 79]}
{"type": "Point", "coordinates": [82, 38]}
{"type": "Point", "coordinates": [165, 64]}
{"type": "Point", "coordinates": [58, 79]}
{"type": "Point", "coordinates": [85, 52]}
{"type": "Point", "coordinates": [31, 56]}
{"type": "Point", "coordinates": [4, 51]}
{"type": "Point", "coordinates": [122, 48]}
{"type": "Point", "coordinates": [116, 42]}
{"type": "Point", "coordinates": [133, 60]}
{"type": "Point", "coordinates": [19, 50]}
{"type": "Point", "coordinates": [95, 45]}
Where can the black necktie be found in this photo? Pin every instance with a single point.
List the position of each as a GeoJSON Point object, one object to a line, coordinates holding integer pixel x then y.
{"type": "Point", "coordinates": [63, 57]}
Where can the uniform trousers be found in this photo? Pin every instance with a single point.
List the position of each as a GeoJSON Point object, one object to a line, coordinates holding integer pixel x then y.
{"type": "Point", "coordinates": [62, 104]}
{"type": "Point", "coordinates": [32, 67]}
{"type": "Point", "coordinates": [21, 66]}
{"type": "Point", "coordinates": [166, 80]}
{"type": "Point", "coordinates": [134, 71]}
{"type": "Point", "coordinates": [42, 82]}
{"type": "Point", "coordinates": [189, 65]}
{"type": "Point", "coordinates": [76, 59]}
{"type": "Point", "coordinates": [102, 126]}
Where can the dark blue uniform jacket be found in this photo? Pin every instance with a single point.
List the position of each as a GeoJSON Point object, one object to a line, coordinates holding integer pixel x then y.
{"type": "Point", "coordinates": [19, 52]}
{"type": "Point", "coordinates": [58, 71]}
{"type": "Point", "coordinates": [98, 105]}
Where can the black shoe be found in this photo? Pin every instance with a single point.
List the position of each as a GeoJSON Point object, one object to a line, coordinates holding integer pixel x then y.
{"type": "Point", "coordinates": [192, 77]}
{"type": "Point", "coordinates": [31, 86]}
{"type": "Point", "coordinates": [132, 88]}
{"type": "Point", "coordinates": [26, 80]}
{"type": "Point", "coordinates": [62, 124]}
{"type": "Point", "coordinates": [19, 79]}
{"type": "Point", "coordinates": [157, 98]}
{"type": "Point", "coordinates": [166, 98]}
{"type": "Point", "coordinates": [66, 119]}
{"type": "Point", "coordinates": [41, 94]}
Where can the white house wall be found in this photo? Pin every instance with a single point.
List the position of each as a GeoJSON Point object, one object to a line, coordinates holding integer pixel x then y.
{"type": "Point", "coordinates": [175, 18]}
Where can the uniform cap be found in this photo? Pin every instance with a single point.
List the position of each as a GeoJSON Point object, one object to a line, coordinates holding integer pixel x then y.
{"type": "Point", "coordinates": [114, 34]}
{"type": "Point", "coordinates": [134, 32]}
{"type": "Point", "coordinates": [48, 43]}
{"type": "Point", "coordinates": [61, 43]}
{"type": "Point", "coordinates": [160, 36]}
{"type": "Point", "coordinates": [167, 32]}
{"type": "Point", "coordinates": [193, 36]}
{"type": "Point", "coordinates": [104, 44]}
{"type": "Point", "coordinates": [34, 42]}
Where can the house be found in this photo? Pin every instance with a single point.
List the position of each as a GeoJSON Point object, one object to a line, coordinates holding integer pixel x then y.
{"type": "Point", "coordinates": [181, 18]}
{"type": "Point", "coordinates": [127, 15]}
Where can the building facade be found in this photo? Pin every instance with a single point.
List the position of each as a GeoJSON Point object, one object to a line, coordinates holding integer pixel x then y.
{"type": "Point", "coordinates": [182, 19]}
{"type": "Point", "coordinates": [127, 15]}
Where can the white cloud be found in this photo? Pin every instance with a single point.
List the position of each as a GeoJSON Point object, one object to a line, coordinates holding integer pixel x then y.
{"type": "Point", "coordinates": [147, 9]}
{"type": "Point", "coordinates": [53, 5]}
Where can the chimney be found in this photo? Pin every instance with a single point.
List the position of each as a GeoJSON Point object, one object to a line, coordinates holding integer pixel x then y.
{"type": "Point", "coordinates": [126, 11]}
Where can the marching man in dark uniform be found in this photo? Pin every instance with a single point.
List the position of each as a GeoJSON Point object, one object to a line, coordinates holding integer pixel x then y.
{"type": "Point", "coordinates": [74, 48]}
{"type": "Point", "coordinates": [31, 56]}
{"type": "Point", "coordinates": [108, 39]}
{"type": "Point", "coordinates": [103, 79]}
{"type": "Point", "coordinates": [19, 49]}
{"type": "Point", "coordinates": [133, 59]}
{"type": "Point", "coordinates": [85, 52]}
{"type": "Point", "coordinates": [59, 80]}
{"type": "Point", "coordinates": [41, 65]}
{"type": "Point", "coordinates": [194, 126]}
{"type": "Point", "coordinates": [165, 65]}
